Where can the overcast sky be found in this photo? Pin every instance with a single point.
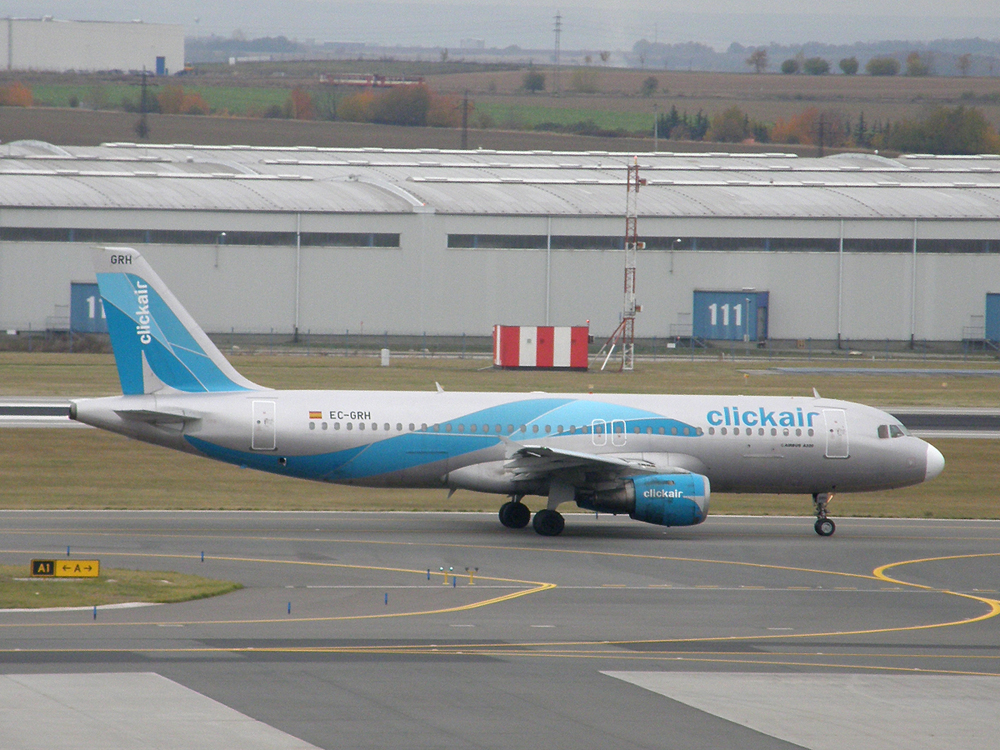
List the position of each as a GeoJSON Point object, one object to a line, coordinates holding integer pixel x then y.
{"type": "Point", "coordinates": [586, 24]}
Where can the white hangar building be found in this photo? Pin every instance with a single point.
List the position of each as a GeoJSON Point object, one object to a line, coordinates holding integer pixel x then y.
{"type": "Point", "coordinates": [53, 45]}
{"type": "Point", "coordinates": [849, 247]}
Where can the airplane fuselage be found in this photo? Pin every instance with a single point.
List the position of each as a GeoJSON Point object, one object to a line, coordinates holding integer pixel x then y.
{"type": "Point", "coordinates": [463, 440]}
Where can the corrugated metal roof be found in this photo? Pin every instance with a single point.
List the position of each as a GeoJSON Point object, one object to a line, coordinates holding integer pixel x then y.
{"type": "Point", "coordinates": [370, 180]}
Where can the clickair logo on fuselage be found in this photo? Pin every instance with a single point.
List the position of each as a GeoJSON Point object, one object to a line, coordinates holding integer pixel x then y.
{"type": "Point", "coordinates": [731, 416]}
{"type": "Point", "coordinates": [143, 330]}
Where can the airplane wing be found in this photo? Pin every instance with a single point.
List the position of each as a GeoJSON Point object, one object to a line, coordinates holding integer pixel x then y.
{"type": "Point", "coordinates": [538, 462]}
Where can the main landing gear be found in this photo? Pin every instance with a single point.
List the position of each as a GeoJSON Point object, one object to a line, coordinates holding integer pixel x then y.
{"type": "Point", "coordinates": [824, 526]}
{"type": "Point", "coordinates": [515, 515]}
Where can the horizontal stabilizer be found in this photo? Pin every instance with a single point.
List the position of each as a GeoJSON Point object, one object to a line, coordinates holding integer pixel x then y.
{"type": "Point", "coordinates": [159, 418]}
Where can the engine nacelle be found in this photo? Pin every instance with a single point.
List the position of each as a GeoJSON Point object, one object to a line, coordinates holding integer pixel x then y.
{"type": "Point", "coordinates": [664, 499]}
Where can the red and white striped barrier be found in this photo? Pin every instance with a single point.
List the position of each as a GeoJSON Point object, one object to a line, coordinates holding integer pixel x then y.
{"type": "Point", "coordinates": [541, 347]}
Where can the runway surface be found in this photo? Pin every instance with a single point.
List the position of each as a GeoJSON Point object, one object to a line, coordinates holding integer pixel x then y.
{"type": "Point", "coordinates": [364, 630]}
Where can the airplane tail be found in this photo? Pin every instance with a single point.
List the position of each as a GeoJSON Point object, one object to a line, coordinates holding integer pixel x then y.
{"type": "Point", "coordinates": [157, 344]}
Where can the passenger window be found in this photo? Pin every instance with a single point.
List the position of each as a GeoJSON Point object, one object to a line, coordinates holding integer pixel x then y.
{"type": "Point", "coordinates": [736, 430]}
{"type": "Point", "coordinates": [572, 429]}
{"type": "Point", "coordinates": [798, 433]}
{"type": "Point", "coordinates": [447, 428]}
{"type": "Point", "coordinates": [312, 425]}
{"type": "Point", "coordinates": [423, 427]}
{"type": "Point", "coordinates": [883, 431]}
{"type": "Point", "coordinates": [361, 425]}
{"type": "Point", "coordinates": [548, 428]}
{"type": "Point", "coordinates": [324, 425]}
{"type": "Point", "coordinates": [722, 431]}
{"type": "Point", "coordinates": [761, 431]}
{"type": "Point", "coordinates": [773, 432]}
{"type": "Point", "coordinates": [673, 431]}
{"type": "Point", "coordinates": [698, 431]}
{"type": "Point", "coordinates": [811, 433]}
{"type": "Point", "coordinates": [437, 428]}
{"type": "Point", "coordinates": [461, 428]}
{"type": "Point", "coordinates": [399, 426]}
{"type": "Point", "coordinates": [524, 428]}
{"type": "Point", "coordinates": [412, 427]}
{"type": "Point", "coordinates": [473, 428]}
{"type": "Point", "coordinates": [649, 430]}
{"type": "Point", "coordinates": [711, 430]}
{"type": "Point", "coordinates": [662, 431]}
{"type": "Point", "coordinates": [387, 427]}
{"type": "Point", "coordinates": [336, 425]}
{"type": "Point", "coordinates": [350, 425]}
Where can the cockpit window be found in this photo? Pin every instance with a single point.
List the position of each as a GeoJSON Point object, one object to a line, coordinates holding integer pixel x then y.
{"type": "Point", "coordinates": [891, 431]}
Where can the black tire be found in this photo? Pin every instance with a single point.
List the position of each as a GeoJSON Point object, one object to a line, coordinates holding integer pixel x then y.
{"type": "Point", "coordinates": [825, 527]}
{"type": "Point", "coordinates": [549, 522]}
{"type": "Point", "coordinates": [514, 515]}
{"type": "Point", "coordinates": [519, 516]}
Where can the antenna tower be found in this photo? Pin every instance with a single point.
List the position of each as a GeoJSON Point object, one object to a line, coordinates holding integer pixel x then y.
{"type": "Point", "coordinates": [625, 332]}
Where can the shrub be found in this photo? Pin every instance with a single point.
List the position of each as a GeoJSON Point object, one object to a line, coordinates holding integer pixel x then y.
{"type": "Point", "coordinates": [16, 95]}
{"type": "Point", "coordinates": [849, 66]}
{"type": "Point", "coordinates": [816, 66]}
{"type": "Point", "coordinates": [790, 66]}
{"type": "Point", "coordinates": [882, 66]}
{"type": "Point", "coordinates": [533, 81]}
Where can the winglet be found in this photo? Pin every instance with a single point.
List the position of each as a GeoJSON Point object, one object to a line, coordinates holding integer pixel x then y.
{"type": "Point", "coordinates": [157, 343]}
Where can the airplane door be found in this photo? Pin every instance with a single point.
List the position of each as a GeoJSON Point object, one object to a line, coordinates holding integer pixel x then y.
{"type": "Point", "coordinates": [263, 437]}
{"type": "Point", "coordinates": [836, 433]}
{"type": "Point", "coordinates": [599, 432]}
{"type": "Point", "coordinates": [618, 432]}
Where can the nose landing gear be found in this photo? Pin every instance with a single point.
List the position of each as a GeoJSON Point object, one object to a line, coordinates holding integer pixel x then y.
{"type": "Point", "coordinates": [824, 526]}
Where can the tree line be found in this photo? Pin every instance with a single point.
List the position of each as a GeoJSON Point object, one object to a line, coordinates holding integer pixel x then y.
{"type": "Point", "coordinates": [944, 130]}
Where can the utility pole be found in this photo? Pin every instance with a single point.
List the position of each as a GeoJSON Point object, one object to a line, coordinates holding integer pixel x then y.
{"type": "Point", "coordinates": [558, 31]}
{"type": "Point", "coordinates": [142, 127]}
{"type": "Point", "coordinates": [465, 120]}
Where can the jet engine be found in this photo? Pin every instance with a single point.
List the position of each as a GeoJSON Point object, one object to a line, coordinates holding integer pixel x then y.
{"type": "Point", "coordinates": [664, 499]}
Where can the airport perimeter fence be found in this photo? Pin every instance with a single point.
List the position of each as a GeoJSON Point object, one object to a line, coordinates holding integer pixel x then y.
{"type": "Point", "coordinates": [462, 346]}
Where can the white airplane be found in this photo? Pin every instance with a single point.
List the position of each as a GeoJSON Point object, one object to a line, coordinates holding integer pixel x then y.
{"type": "Point", "coordinates": [654, 458]}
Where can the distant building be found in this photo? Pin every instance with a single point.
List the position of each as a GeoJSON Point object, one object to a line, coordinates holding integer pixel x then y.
{"type": "Point", "coordinates": [472, 44]}
{"type": "Point", "coordinates": [51, 45]}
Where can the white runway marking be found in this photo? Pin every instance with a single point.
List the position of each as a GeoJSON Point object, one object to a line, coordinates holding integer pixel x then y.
{"type": "Point", "coordinates": [832, 712]}
{"type": "Point", "coordinates": [124, 711]}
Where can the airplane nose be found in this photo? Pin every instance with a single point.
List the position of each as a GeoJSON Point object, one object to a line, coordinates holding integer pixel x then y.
{"type": "Point", "coordinates": [935, 462]}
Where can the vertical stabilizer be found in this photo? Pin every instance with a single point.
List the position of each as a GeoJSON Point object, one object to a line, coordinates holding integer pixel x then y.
{"type": "Point", "coordinates": [156, 342]}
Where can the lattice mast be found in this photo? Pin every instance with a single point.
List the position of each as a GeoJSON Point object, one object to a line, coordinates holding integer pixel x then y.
{"type": "Point", "coordinates": [625, 333]}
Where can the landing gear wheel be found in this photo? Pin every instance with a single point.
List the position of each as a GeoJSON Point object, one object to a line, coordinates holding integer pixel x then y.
{"type": "Point", "coordinates": [825, 527]}
{"type": "Point", "coordinates": [549, 522]}
{"type": "Point", "coordinates": [514, 514]}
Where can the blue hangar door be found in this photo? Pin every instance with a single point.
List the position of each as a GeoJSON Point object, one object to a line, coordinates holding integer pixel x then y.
{"type": "Point", "coordinates": [730, 316]}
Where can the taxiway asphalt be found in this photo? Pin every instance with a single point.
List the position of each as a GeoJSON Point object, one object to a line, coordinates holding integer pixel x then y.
{"type": "Point", "coordinates": [364, 630]}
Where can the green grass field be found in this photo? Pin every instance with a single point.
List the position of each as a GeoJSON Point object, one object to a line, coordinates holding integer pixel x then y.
{"type": "Point", "coordinates": [525, 116]}
{"type": "Point", "coordinates": [19, 591]}
{"type": "Point", "coordinates": [54, 468]}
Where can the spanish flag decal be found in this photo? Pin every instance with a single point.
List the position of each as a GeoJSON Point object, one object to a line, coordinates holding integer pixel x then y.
{"type": "Point", "coordinates": [315, 415]}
